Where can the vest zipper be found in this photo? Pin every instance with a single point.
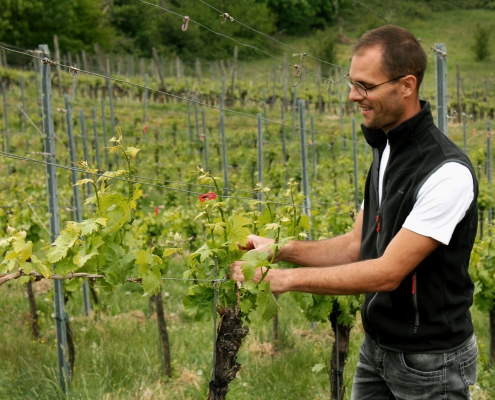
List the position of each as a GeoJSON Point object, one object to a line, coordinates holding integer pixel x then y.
{"type": "Point", "coordinates": [369, 306]}
{"type": "Point", "coordinates": [415, 302]}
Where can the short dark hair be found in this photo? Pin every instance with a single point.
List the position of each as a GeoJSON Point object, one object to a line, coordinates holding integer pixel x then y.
{"type": "Point", "coordinates": [402, 52]}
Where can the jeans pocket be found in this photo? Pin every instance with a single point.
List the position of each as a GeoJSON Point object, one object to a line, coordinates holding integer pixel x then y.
{"type": "Point", "coordinates": [426, 365]}
{"type": "Point", "coordinates": [468, 368]}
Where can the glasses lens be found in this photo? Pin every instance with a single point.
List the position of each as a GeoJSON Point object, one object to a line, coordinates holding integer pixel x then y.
{"type": "Point", "coordinates": [360, 88]}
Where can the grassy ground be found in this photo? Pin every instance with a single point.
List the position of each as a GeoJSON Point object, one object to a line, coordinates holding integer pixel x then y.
{"type": "Point", "coordinates": [119, 357]}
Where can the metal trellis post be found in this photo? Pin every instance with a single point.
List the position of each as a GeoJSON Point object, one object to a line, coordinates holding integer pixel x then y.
{"type": "Point", "coordinates": [294, 104]}
{"type": "Point", "coordinates": [260, 159]}
{"type": "Point", "coordinates": [189, 119]}
{"type": "Point", "coordinates": [75, 191]}
{"type": "Point", "coordinates": [341, 108]}
{"type": "Point", "coordinates": [51, 172]}
{"type": "Point", "coordinates": [96, 147]}
{"type": "Point", "coordinates": [284, 143]}
{"type": "Point", "coordinates": [6, 119]}
{"type": "Point", "coordinates": [112, 117]}
{"type": "Point", "coordinates": [224, 141]}
{"type": "Point", "coordinates": [441, 82]}
{"type": "Point", "coordinates": [313, 146]}
{"type": "Point", "coordinates": [196, 120]}
{"type": "Point", "coordinates": [145, 99]}
{"type": "Point", "coordinates": [304, 160]}
{"type": "Point", "coordinates": [104, 129]}
{"type": "Point", "coordinates": [205, 139]}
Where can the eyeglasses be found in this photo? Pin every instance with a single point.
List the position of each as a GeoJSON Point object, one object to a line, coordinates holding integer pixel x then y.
{"type": "Point", "coordinates": [362, 90]}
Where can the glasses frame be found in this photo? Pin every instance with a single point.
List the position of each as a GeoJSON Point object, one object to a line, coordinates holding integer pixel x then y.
{"type": "Point", "coordinates": [359, 86]}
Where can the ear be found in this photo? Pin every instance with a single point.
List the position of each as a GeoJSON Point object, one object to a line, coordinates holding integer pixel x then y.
{"type": "Point", "coordinates": [409, 83]}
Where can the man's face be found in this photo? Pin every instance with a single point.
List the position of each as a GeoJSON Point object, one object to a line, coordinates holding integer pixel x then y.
{"type": "Point", "coordinates": [383, 107]}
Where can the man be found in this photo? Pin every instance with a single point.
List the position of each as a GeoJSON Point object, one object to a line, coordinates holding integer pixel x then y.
{"type": "Point", "coordinates": [410, 246]}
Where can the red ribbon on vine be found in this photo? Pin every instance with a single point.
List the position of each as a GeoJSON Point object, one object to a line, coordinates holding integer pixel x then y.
{"type": "Point", "coordinates": [207, 196]}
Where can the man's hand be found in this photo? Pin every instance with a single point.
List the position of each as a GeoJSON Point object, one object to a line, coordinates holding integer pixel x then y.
{"type": "Point", "coordinates": [258, 243]}
{"type": "Point", "coordinates": [276, 277]}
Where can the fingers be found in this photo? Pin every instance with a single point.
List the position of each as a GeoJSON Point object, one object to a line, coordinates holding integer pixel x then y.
{"type": "Point", "coordinates": [236, 271]}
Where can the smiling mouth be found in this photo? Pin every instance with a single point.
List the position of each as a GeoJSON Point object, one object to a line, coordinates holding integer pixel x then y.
{"type": "Point", "coordinates": [365, 108]}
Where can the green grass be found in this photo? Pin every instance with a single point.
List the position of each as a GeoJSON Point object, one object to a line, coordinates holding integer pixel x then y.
{"type": "Point", "coordinates": [118, 357]}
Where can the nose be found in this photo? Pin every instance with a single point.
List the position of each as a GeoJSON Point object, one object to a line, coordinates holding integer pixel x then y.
{"type": "Point", "coordinates": [354, 95]}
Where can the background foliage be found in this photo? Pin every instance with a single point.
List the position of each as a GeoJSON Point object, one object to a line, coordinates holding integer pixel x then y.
{"type": "Point", "coordinates": [135, 27]}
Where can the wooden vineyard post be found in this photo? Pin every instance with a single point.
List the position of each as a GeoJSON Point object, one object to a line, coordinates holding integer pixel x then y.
{"type": "Point", "coordinates": [196, 120]}
{"type": "Point", "coordinates": [112, 118]}
{"type": "Point", "coordinates": [145, 98]}
{"type": "Point", "coordinates": [464, 131]}
{"type": "Point", "coordinates": [163, 334]}
{"type": "Point", "coordinates": [285, 83]}
{"type": "Point", "coordinates": [224, 141]}
{"type": "Point", "coordinates": [198, 71]}
{"type": "Point", "coordinates": [96, 146]}
{"type": "Point", "coordinates": [441, 82]}
{"type": "Point", "coordinates": [23, 104]}
{"type": "Point", "coordinates": [6, 121]}
{"type": "Point", "coordinates": [304, 161]}
{"type": "Point", "coordinates": [104, 129]}
{"type": "Point", "coordinates": [234, 73]}
{"type": "Point", "coordinates": [205, 139]}
{"type": "Point", "coordinates": [272, 100]}
{"type": "Point", "coordinates": [84, 60]}
{"type": "Point", "coordinates": [159, 69]}
{"type": "Point", "coordinates": [75, 191]}
{"type": "Point", "coordinates": [57, 57]}
{"type": "Point", "coordinates": [51, 172]}
{"type": "Point", "coordinates": [341, 108]}
{"type": "Point", "coordinates": [189, 126]}
{"type": "Point", "coordinates": [85, 147]}
{"type": "Point", "coordinates": [340, 349]}
{"type": "Point", "coordinates": [284, 142]}
{"type": "Point", "coordinates": [260, 160]}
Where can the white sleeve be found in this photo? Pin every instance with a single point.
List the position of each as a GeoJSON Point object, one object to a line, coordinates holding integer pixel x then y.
{"type": "Point", "coordinates": [442, 202]}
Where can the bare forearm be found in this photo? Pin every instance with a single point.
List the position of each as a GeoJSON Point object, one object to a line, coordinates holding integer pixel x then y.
{"type": "Point", "coordinates": [355, 278]}
{"type": "Point", "coordinates": [340, 250]}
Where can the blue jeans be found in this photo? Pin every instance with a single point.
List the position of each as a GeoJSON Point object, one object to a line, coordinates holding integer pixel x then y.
{"type": "Point", "coordinates": [388, 375]}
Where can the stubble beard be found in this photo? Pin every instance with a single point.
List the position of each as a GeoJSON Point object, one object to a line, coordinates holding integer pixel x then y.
{"type": "Point", "coordinates": [388, 116]}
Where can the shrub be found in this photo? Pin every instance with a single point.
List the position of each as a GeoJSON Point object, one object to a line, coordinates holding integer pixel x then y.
{"type": "Point", "coordinates": [481, 45]}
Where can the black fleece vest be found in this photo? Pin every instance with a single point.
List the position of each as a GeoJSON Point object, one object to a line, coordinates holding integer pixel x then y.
{"type": "Point", "coordinates": [429, 311]}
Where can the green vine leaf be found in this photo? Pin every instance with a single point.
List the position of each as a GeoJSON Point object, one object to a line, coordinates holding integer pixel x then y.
{"type": "Point", "coordinates": [237, 232]}
{"type": "Point", "coordinates": [63, 242]}
{"type": "Point", "coordinates": [198, 304]}
{"type": "Point", "coordinates": [254, 259]}
{"type": "Point", "coordinates": [89, 226]}
{"type": "Point", "coordinates": [267, 302]}
{"type": "Point", "coordinates": [152, 282]}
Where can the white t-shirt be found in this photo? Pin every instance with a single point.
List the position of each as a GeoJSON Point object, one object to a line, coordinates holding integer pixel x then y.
{"type": "Point", "coordinates": [442, 201]}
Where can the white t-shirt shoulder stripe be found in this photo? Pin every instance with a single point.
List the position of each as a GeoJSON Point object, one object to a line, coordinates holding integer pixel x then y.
{"type": "Point", "coordinates": [442, 200]}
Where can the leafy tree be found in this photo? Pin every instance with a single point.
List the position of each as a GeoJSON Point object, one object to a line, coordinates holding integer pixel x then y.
{"type": "Point", "coordinates": [481, 45]}
{"type": "Point", "coordinates": [78, 23]}
{"type": "Point", "coordinates": [155, 27]}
